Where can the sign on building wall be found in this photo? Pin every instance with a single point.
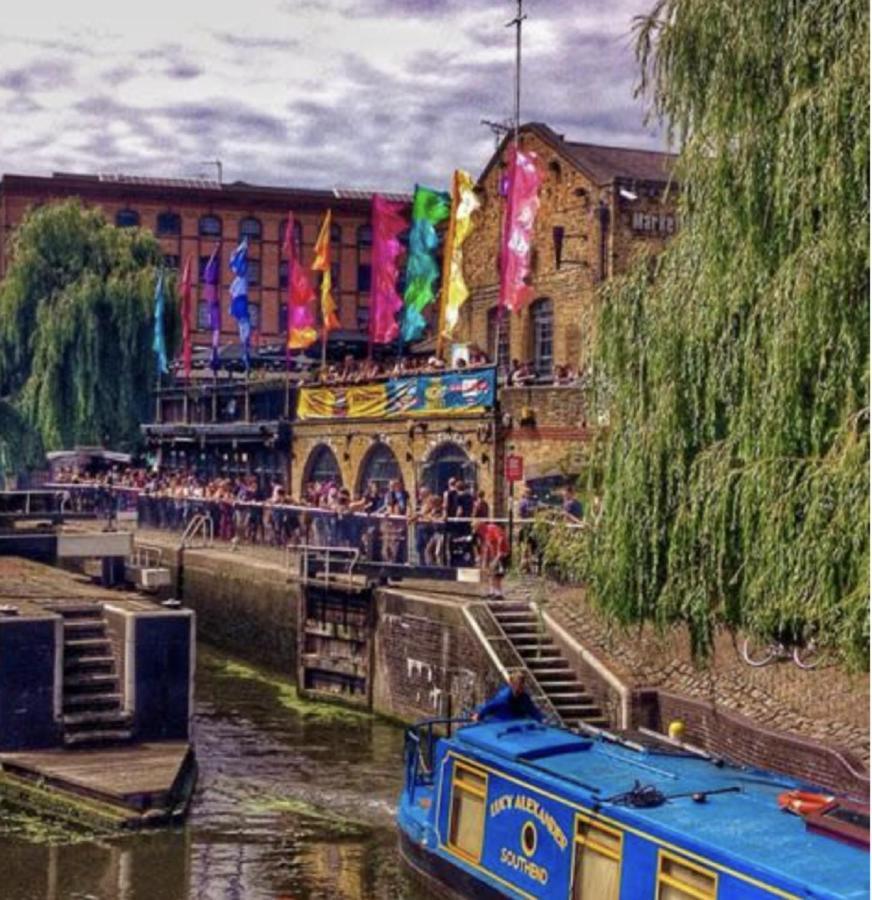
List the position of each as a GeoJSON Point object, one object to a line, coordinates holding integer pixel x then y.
{"type": "Point", "coordinates": [446, 393]}
{"type": "Point", "coordinates": [655, 223]}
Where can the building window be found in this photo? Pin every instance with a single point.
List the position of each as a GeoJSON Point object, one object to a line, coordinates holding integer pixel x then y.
{"type": "Point", "coordinates": [379, 466]}
{"type": "Point", "coordinates": [364, 277]}
{"type": "Point", "coordinates": [283, 274]}
{"type": "Point", "coordinates": [498, 337]}
{"type": "Point", "coordinates": [298, 237]}
{"type": "Point", "coordinates": [203, 315]}
{"type": "Point", "coordinates": [127, 218]}
{"type": "Point", "coordinates": [336, 234]}
{"type": "Point", "coordinates": [253, 271]}
{"type": "Point", "coordinates": [466, 826]}
{"type": "Point", "coordinates": [363, 319]}
{"type": "Point", "coordinates": [283, 318]}
{"type": "Point", "coordinates": [168, 223]}
{"type": "Point", "coordinates": [322, 467]}
{"type": "Point", "coordinates": [364, 236]}
{"type": "Point", "coordinates": [204, 261]}
{"type": "Point", "coordinates": [210, 226]}
{"type": "Point", "coordinates": [254, 315]}
{"type": "Point", "coordinates": [171, 261]}
{"type": "Point", "coordinates": [542, 318]}
{"type": "Point", "coordinates": [336, 277]}
{"type": "Point", "coordinates": [679, 879]}
{"type": "Point", "coordinates": [597, 868]}
{"type": "Point", "coordinates": [250, 228]}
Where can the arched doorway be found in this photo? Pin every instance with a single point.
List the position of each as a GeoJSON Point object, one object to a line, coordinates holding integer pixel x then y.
{"type": "Point", "coordinates": [379, 465]}
{"type": "Point", "coordinates": [322, 466]}
{"type": "Point", "coordinates": [447, 461]}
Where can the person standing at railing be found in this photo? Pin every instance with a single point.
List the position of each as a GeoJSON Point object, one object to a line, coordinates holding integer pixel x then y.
{"type": "Point", "coordinates": [572, 507]}
{"type": "Point", "coordinates": [494, 556]}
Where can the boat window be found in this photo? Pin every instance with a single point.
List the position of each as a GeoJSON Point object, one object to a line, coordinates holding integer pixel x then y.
{"type": "Point", "coordinates": [466, 829]}
{"type": "Point", "coordinates": [678, 879]}
{"type": "Point", "coordinates": [597, 874]}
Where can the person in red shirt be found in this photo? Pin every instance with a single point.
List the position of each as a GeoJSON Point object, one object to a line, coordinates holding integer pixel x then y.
{"type": "Point", "coordinates": [494, 548]}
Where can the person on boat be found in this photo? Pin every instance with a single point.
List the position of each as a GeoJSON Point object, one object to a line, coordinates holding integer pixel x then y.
{"type": "Point", "coordinates": [510, 702]}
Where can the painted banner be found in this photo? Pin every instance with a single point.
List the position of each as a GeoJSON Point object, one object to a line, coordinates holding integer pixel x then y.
{"type": "Point", "coordinates": [522, 204]}
{"type": "Point", "coordinates": [444, 393]}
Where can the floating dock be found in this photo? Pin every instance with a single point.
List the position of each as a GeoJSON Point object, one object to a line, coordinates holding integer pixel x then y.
{"type": "Point", "coordinates": [96, 698]}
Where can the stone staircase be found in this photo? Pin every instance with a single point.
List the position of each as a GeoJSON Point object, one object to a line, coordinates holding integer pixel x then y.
{"type": "Point", "coordinates": [92, 713]}
{"type": "Point", "coordinates": [546, 665]}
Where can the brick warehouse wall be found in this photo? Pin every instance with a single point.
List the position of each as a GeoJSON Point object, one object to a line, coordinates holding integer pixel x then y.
{"type": "Point", "coordinates": [230, 204]}
{"type": "Point", "coordinates": [571, 200]}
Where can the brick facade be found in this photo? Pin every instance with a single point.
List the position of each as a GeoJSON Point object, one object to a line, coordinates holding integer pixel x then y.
{"type": "Point", "coordinates": [150, 199]}
{"type": "Point", "coordinates": [599, 208]}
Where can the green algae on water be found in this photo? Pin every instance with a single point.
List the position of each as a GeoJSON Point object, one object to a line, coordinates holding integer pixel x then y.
{"type": "Point", "coordinates": [324, 821]}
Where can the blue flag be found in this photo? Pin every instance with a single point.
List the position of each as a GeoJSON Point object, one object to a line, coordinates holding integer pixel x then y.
{"type": "Point", "coordinates": [239, 296]}
{"type": "Point", "coordinates": [159, 345]}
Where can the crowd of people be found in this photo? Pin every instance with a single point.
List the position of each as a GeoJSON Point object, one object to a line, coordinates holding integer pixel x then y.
{"type": "Point", "coordinates": [354, 371]}
{"type": "Point", "coordinates": [453, 527]}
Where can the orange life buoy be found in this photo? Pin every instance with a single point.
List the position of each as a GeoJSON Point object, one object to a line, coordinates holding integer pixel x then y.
{"type": "Point", "coordinates": [801, 803]}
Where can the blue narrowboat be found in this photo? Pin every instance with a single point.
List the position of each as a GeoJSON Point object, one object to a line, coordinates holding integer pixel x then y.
{"type": "Point", "coordinates": [524, 810]}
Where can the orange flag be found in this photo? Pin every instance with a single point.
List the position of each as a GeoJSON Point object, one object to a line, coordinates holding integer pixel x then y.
{"type": "Point", "coordinates": [322, 264]}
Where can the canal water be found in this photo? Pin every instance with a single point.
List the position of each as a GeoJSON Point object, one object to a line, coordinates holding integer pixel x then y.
{"type": "Point", "coordinates": [295, 801]}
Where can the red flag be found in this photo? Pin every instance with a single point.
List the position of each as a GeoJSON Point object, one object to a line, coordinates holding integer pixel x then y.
{"type": "Point", "coordinates": [185, 311]}
{"type": "Point", "coordinates": [522, 204]}
{"type": "Point", "coordinates": [388, 221]}
{"type": "Point", "coordinates": [302, 331]}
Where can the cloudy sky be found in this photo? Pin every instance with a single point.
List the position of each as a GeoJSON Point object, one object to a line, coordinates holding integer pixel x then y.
{"type": "Point", "coordinates": [351, 93]}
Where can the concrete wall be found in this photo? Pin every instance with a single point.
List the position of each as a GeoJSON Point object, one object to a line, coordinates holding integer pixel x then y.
{"type": "Point", "coordinates": [428, 662]}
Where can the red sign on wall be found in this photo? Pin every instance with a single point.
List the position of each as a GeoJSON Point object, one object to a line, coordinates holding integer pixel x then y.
{"type": "Point", "coordinates": [514, 467]}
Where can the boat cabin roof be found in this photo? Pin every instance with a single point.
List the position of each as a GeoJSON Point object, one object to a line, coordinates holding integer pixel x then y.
{"type": "Point", "coordinates": [739, 828]}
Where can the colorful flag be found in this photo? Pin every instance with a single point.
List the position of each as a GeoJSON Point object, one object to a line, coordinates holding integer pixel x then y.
{"type": "Point", "coordinates": [302, 329]}
{"type": "Point", "coordinates": [522, 204]}
{"type": "Point", "coordinates": [329, 319]}
{"type": "Point", "coordinates": [429, 208]}
{"type": "Point", "coordinates": [185, 290]}
{"type": "Point", "coordinates": [388, 222]}
{"type": "Point", "coordinates": [210, 295]}
{"type": "Point", "coordinates": [239, 297]}
{"type": "Point", "coordinates": [159, 345]}
{"type": "Point", "coordinates": [455, 292]}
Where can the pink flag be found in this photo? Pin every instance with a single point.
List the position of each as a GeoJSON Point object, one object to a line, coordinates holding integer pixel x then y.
{"type": "Point", "coordinates": [388, 222]}
{"type": "Point", "coordinates": [302, 331]}
{"type": "Point", "coordinates": [522, 204]}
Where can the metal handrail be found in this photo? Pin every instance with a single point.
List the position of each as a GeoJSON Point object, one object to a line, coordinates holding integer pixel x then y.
{"type": "Point", "coordinates": [198, 524]}
{"type": "Point", "coordinates": [350, 555]}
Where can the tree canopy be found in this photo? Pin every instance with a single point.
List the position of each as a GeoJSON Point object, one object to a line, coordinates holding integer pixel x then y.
{"type": "Point", "coordinates": [76, 329]}
{"type": "Point", "coordinates": [736, 366]}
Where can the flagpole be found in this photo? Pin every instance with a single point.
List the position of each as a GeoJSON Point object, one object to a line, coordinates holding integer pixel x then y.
{"type": "Point", "coordinates": [447, 254]}
{"type": "Point", "coordinates": [157, 408]}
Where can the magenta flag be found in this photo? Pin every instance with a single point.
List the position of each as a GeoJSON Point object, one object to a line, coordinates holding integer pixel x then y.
{"type": "Point", "coordinates": [388, 222]}
{"type": "Point", "coordinates": [522, 204]}
{"type": "Point", "coordinates": [302, 331]}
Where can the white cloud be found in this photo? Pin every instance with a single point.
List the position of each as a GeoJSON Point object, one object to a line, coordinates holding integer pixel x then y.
{"type": "Point", "coordinates": [367, 93]}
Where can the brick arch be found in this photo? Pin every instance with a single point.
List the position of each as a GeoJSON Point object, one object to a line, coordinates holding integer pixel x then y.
{"type": "Point", "coordinates": [321, 458]}
{"type": "Point", "coordinates": [379, 463]}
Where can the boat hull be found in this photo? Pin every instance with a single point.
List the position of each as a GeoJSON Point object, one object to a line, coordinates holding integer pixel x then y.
{"type": "Point", "coordinates": [444, 879]}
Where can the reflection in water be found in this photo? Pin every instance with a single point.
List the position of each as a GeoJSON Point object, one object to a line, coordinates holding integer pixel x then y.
{"type": "Point", "coordinates": [293, 802]}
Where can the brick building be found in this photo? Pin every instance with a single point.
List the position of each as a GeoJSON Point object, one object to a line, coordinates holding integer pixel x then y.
{"type": "Point", "coordinates": [599, 208]}
{"type": "Point", "coordinates": [190, 216]}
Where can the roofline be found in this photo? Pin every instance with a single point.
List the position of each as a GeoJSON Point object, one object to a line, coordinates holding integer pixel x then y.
{"type": "Point", "coordinates": [235, 193]}
{"type": "Point", "coordinates": [558, 144]}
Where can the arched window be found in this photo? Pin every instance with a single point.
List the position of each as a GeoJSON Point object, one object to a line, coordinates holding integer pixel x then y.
{"type": "Point", "coordinates": [379, 465]}
{"type": "Point", "coordinates": [542, 321]}
{"type": "Point", "coordinates": [168, 224]}
{"type": "Point", "coordinates": [210, 226]}
{"type": "Point", "coordinates": [250, 228]}
{"type": "Point", "coordinates": [364, 236]}
{"type": "Point", "coordinates": [336, 234]}
{"type": "Point", "coordinates": [447, 461]}
{"type": "Point", "coordinates": [127, 218]}
{"type": "Point", "coordinates": [364, 266]}
{"type": "Point", "coordinates": [322, 467]}
{"type": "Point", "coordinates": [298, 237]}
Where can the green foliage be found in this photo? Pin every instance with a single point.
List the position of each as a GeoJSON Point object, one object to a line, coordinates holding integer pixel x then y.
{"type": "Point", "coordinates": [736, 467]}
{"type": "Point", "coordinates": [76, 327]}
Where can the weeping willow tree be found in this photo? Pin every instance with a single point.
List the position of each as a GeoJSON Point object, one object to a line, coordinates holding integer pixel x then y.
{"type": "Point", "coordinates": [736, 462]}
{"type": "Point", "coordinates": [76, 362]}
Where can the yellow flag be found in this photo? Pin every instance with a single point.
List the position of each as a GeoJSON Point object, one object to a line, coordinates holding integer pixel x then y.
{"type": "Point", "coordinates": [321, 264]}
{"type": "Point", "coordinates": [466, 204]}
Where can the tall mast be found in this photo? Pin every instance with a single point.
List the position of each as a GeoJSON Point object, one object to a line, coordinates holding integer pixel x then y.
{"type": "Point", "coordinates": [518, 22]}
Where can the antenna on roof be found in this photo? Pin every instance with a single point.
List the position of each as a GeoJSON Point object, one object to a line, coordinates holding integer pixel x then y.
{"type": "Point", "coordinates": [218, 167]}
{"type": "Point", "coordinates": [498, 128]}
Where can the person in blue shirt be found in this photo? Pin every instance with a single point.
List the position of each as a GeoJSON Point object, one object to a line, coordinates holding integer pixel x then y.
{"type": "Point", "coordinates": [510, 702]}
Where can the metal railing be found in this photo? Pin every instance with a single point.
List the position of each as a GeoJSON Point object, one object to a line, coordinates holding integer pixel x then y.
{"type": "Point", "coordinates": [199, 528]}
{"type": "Point", "coordinates": [346, 557]}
